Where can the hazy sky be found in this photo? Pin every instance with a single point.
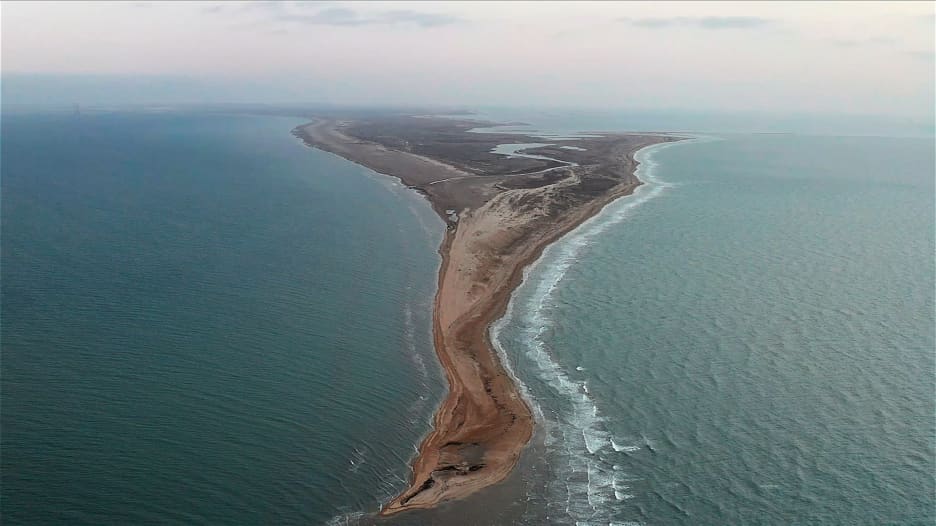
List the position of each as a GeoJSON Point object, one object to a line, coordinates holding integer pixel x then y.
{"type": "Point", "coordinates": [862, 57]}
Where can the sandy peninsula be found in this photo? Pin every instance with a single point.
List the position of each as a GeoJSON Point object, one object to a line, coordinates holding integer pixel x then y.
{"type": "Point", "coordinates": [500, 212]}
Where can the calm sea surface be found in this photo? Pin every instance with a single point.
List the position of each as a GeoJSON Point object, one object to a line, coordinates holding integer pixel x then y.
{"type": "Point", "coordinates": [206, 322]}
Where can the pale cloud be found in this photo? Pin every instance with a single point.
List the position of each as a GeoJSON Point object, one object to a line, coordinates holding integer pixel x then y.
{"type": "Point", "coordinates": [873, 57]}
{"type": "Point", "coordinates": [703, 22]}
{"type": "Point", "coordinates": [211, 9]}
{"type": "Point", "coordinates": [338, 14]}
{"type": "Point", "coordinates": [342, 16]}
{"type": "Point", "coordinates": [926, 56]}
{"type": "Point", "coordinates": [872, 41]}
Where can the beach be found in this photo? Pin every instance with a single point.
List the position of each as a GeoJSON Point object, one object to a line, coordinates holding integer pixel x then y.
{"type": "Point", "coordinates": [499, 219]}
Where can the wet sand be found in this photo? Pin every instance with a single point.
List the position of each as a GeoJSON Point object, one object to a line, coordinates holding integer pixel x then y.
{"type": "Point", "coordinates": [499, 218]}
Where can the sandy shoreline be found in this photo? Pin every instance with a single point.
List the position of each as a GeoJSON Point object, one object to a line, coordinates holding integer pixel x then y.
{"type": "Point", "coordinates": [500, 227]}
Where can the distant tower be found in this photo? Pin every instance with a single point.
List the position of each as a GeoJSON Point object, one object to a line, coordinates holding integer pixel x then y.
{"type": "Point", "coordinates": [77, 109]}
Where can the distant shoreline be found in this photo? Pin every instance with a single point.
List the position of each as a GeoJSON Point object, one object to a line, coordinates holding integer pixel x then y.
{"type": "Point", "coordinates": [494, 232]}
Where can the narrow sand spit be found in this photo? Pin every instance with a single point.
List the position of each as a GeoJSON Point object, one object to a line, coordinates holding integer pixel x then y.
{"type": "Point", "coordinates": [502, 224]}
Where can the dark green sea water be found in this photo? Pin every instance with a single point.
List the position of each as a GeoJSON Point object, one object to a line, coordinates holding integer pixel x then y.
{"type": "Point", "coordinates": [206, 322]}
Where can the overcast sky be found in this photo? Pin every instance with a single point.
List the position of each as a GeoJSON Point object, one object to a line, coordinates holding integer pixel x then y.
{"type": "Point", "coordinates": [863, 57]}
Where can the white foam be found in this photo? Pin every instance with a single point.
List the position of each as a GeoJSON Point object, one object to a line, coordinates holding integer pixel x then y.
{"type": "Point", "coordinates": [346, 518]}
{"type": "Point", "coordinates": [594, 440]}
{"type": "Point", "coordinates": [619, 488]}
{"type": "Point", "coordinates": [627, 449]}
{"type": "Point", "coordinates": [578, 437]}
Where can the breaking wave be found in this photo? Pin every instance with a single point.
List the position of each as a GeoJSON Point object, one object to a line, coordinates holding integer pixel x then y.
{"type": "Point", "coordinates": [586, 459]}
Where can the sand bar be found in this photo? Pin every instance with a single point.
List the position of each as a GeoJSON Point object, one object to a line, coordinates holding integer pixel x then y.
{"type": "Point", "coordinates": [500, 213]}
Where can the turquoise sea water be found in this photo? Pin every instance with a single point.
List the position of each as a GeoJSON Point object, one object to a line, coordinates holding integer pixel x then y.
{"type": "Point", "coordinates": [206, 322]}
{"type": "Point", "coordinates": [748, 340]}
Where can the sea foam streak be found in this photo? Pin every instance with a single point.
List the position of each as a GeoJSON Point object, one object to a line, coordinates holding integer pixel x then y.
{"type": "Point", "coordinates": [586, 482]}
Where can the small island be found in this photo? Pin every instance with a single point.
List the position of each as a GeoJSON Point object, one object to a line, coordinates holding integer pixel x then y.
{"type": "Point", "coordinates": [501, 211]}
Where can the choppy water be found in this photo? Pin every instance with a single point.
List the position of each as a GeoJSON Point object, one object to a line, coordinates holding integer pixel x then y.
{"type": "Point", "coordinates": [206, 322]}
{"type": "Point", "coordinates": [747, 340]}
